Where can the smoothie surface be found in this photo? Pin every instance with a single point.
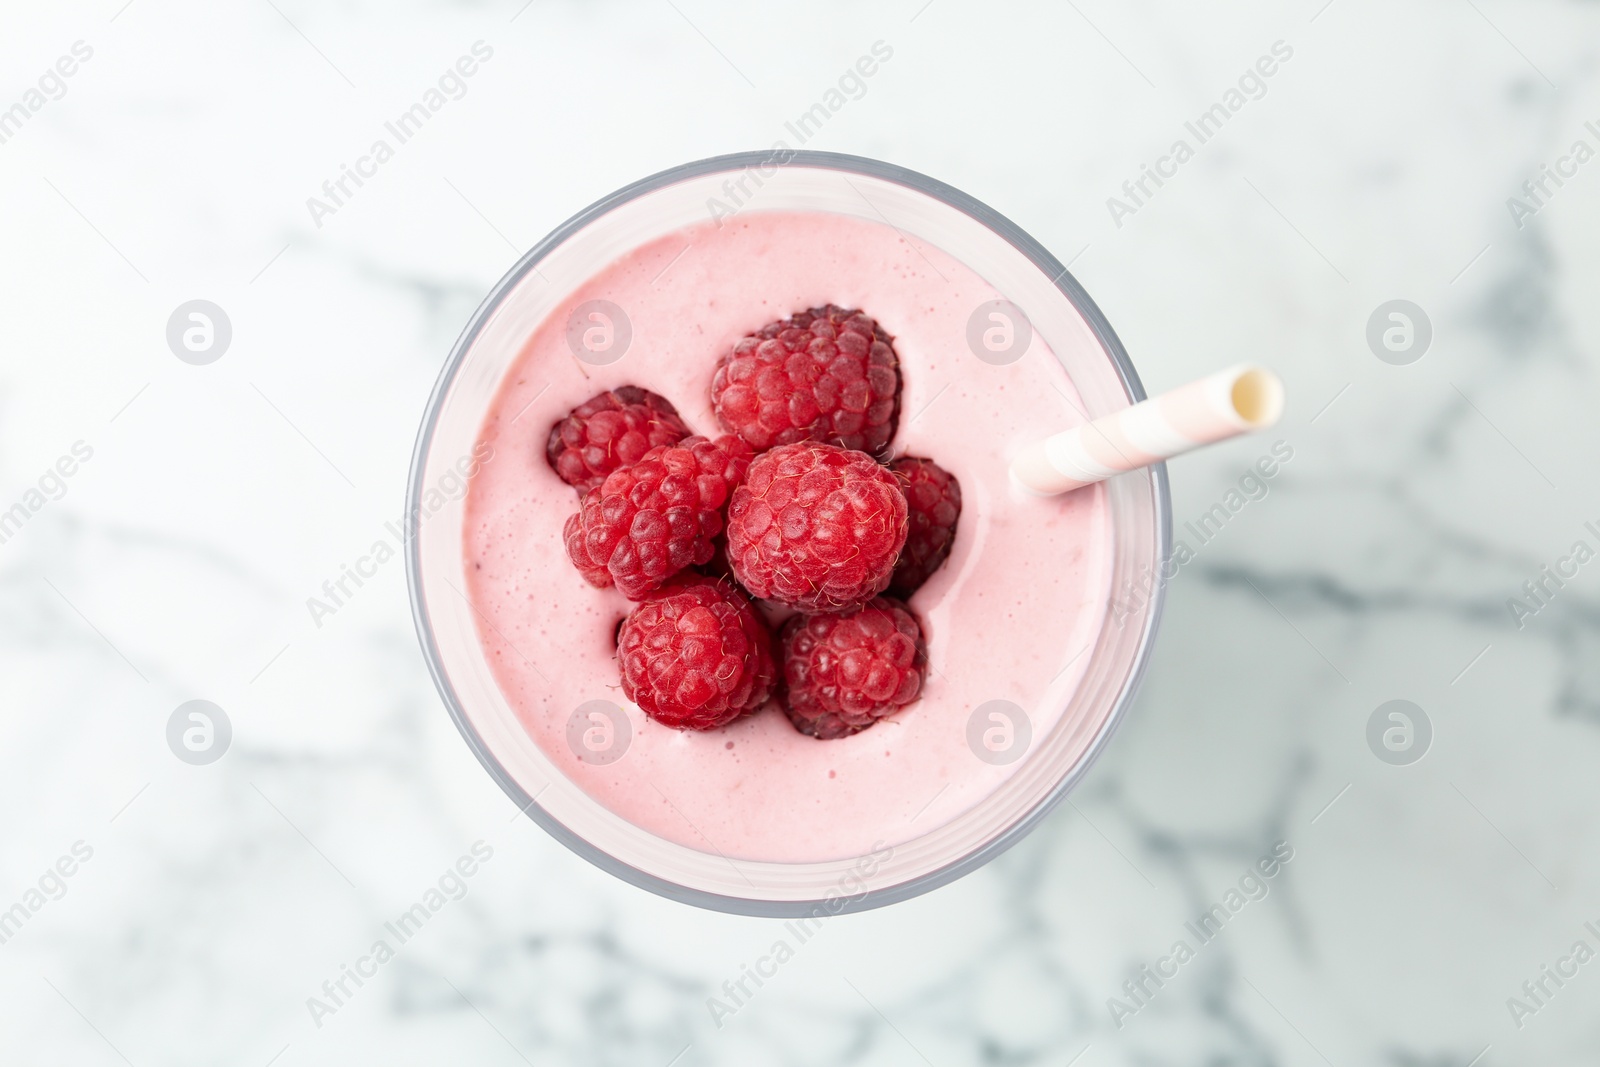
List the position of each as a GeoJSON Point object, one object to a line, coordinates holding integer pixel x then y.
{"type": "Point", "coordinates": [1009, 616]}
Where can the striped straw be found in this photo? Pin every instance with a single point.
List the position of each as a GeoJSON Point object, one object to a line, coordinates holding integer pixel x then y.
{"type": "Point", "coordinates": [1226, 404]}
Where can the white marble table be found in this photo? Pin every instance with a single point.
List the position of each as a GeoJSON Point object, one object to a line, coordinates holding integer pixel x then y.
{"type": "Point", "coordinates": [206, 904]}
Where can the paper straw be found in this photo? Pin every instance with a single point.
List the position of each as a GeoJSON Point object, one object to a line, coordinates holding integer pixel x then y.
{"type": "Point", "coordinates": [1223, 405]}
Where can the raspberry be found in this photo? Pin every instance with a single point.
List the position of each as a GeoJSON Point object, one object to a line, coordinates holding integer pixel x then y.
{"type": "Point", "coordinates": [828, 374]}
{"type": "Point", "coordinates": [844, 672]}
{"type": "Point", "coordinates": [933, 497]}
{"type": "Point", "coordinates": [649, 521]}
{"type": "Point", "coordinates": [611, 430]}
{"type": "Point", "coordinates": [816, 526]}
{"type": "Point", "coordinates": [593, 573]}
{"type": "Point", "coordinates": [695, 655]}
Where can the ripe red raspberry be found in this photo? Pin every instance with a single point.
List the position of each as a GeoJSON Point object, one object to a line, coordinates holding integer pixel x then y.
{"type": "Point", "coordinates": [647, 522]}
{"type": "Point", "coordinates": [933, 497]}
{"type": "Point", "coordinates": [816, 526]}
{"type": "Point", "coordinates": [828, 374]}
{"type": "Point", "coordinates": [845, 672]}
{"type": "Point", "coordinates": [577, 551]}
{"type": "Point", "coordinates": [608, 431]}
{"type": "Point", "coordinates": [695, 655]}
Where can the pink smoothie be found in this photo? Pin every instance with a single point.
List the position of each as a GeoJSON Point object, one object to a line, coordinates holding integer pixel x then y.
{"type": "Point", "coordinates": [1007, 617]}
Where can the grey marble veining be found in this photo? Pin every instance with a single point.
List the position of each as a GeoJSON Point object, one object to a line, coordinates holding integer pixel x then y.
{"type": "Point", "coordinates": [177, 164]}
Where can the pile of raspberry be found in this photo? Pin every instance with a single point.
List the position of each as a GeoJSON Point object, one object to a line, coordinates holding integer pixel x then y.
{"type": "Point", "coordinates": [797, 508]}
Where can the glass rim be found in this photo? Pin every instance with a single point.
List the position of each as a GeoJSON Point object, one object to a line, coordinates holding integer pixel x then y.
{"type": "Point", "coordinates": [1062, 279]}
